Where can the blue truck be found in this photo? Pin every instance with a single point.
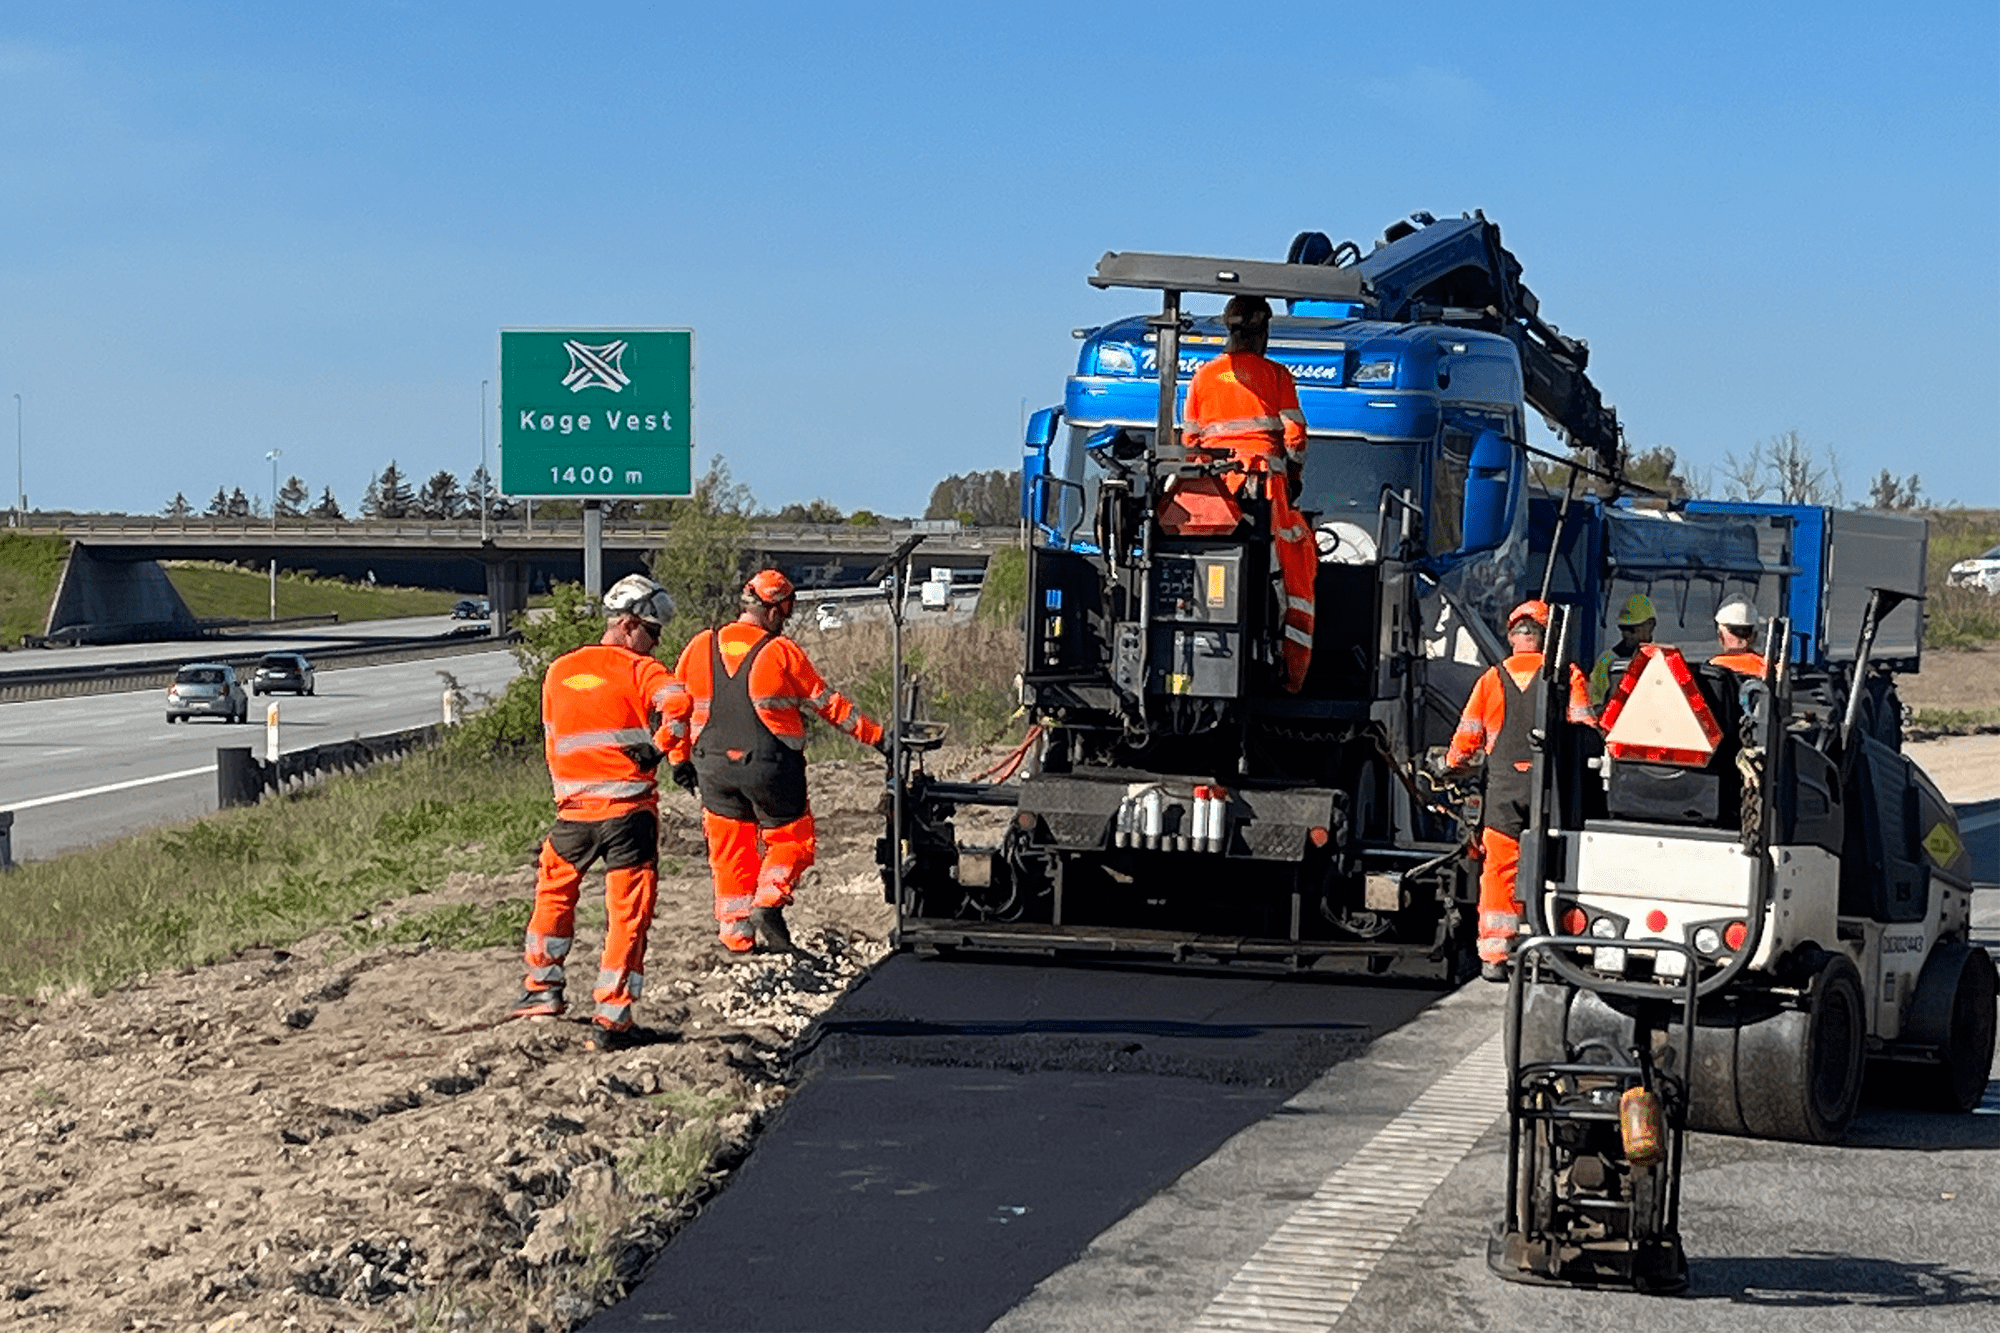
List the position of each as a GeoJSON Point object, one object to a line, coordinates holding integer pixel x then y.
{"type": "Point", "coordinates": [1180, 804]}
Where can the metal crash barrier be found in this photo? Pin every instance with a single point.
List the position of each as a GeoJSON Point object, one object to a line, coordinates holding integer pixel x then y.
{"type": "Point", "coordinates": [243, 779]}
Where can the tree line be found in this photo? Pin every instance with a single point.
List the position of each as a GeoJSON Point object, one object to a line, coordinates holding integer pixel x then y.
{"type": "Point", "coordinates": [1784, 469]}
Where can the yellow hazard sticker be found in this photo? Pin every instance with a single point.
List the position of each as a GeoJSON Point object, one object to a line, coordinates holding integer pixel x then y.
{"type": "Point", "coordinates": [583, 680]}
{"type": "Point", "coordinates": [1218, 590]}
{"type": "Point", "coordinates": [1942, 844]}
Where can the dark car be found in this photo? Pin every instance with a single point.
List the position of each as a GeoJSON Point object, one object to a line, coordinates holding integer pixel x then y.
{"type": "Point", "coordinates": [471, 608]}
{"type": "Point", "coordinates": [286, 673]}
{"type": "Point", "coordinates": [206, 689]}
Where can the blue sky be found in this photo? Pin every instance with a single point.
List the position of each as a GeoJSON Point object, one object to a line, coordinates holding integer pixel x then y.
{"type": "Point", "coordinates": [229, 228]}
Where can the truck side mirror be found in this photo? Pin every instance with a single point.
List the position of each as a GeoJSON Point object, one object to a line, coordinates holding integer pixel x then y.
{"type": "Point", "coordinates": [1488, 493]}
{"type": "Point", "coordinates": [1035, 445]}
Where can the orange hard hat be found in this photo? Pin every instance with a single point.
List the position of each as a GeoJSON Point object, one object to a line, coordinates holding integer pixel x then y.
{"type": "Point", "coordinates": [1533, 609]}
{"type": "Point", "coordinates": [771, 588]}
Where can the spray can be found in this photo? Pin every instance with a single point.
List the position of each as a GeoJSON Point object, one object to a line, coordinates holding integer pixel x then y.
{"type": "Point", "coordinates": [1199, 833]}
{"type": "Point", "coordinates": [1218, 819]}
{"type": "Point", "coordinates": [1152, 815]}
{"type": "Point", "coordinates": [1122, 826]}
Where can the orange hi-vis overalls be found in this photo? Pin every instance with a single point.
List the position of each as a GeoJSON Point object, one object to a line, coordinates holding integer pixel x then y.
{"type": "Point", "coordinates": [1249, 404]}
{"type": "Point", "coordinates": [1497, 719]}
{"type": "Point", "coordinates": [605, 725]}
{"type": "Point", "coordinates": [743, 690]}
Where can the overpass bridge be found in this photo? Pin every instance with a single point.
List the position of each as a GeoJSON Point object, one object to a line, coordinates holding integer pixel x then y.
{"type": "Point", "coordinates": [114, 590]}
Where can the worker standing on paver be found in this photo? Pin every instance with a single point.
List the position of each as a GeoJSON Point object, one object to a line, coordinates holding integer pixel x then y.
{"type": "Point", "coordinates": [606, 725]}
{"type": "Point", "coordinates": [1637, 620]}
{"type": "Point", "coordinates": [1736, 625]}
{"type": "Point", "coordinates": [745, 685]}
{"type": "Point", "coordinates": [1248, 404]}
{"type": "Point", "coordinates": [1496, 722]}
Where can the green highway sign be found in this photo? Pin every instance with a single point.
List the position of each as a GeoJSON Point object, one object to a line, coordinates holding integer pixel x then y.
{"type": "Point", "coordinates": [587, 413]}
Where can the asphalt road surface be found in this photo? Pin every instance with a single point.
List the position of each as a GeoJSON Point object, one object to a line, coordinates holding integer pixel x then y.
{"type": "Point", "coordinates": [79, 772]}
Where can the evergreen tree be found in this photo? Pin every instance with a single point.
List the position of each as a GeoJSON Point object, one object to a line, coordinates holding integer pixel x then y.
{"type": "Point", "coordinates": [219, 506]}
{"type": "Point", "coordinates": [371, 500]}
{"type": "Point", "coordinates": [238, 504]}
{"type": "Point", "coordinates": [292, 497]}
{"type": "Point", "coordinates": [397, 500]}
{"type": "Point", "coordinates": [328, 507]}
{"type": "Point", "coordinates": [440, 497]}
{"type": "Point", "coordinates": [180, 508]}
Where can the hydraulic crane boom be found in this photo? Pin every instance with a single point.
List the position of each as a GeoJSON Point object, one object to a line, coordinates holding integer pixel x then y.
{"type": "Point", "coordinates": [1457, 272]}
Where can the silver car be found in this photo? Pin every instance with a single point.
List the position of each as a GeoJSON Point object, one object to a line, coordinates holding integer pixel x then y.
{"type": "Point", "coordinates": [207, 689]}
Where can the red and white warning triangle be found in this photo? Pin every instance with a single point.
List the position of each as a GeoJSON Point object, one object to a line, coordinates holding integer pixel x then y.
{"type": "Point", "coordinates": [1657, 714]}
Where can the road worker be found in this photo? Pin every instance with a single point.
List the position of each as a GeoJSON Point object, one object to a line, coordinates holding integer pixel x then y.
{"type": "Point", "coordinates": [606, 725]}
{"type": "Point", "coordinates": [744, 748]}
{"type": "Point", "coordinates": [1637, 620]}
{"type": "Point", "coordinates": [1497, 720]}
{"type": "Point", "coordinates": [1736, 626]}
{"type": "Point", "coordinates": [1248, 404]}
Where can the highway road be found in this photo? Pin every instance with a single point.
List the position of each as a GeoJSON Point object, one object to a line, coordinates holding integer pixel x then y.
{"type": "Point", "coordinates": [80, 772]}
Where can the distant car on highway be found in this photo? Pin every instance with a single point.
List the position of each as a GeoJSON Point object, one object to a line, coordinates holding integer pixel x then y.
{"type": "Point", "coordinates": [288, 673]}
{"type": "Point", "coordinates": [472, 608]}
{"type": "Point", "coordinates": [207, 689]}
{"type": "Point", "coordinates": [1982, 571]}
{"type": "Point", "coordinates": [828, 616]}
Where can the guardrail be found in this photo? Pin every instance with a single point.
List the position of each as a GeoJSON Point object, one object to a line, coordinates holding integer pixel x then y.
{"type": "Point", "coordinates": [74, 682]}
{"type": "Point", "coordinates": [242, 779]}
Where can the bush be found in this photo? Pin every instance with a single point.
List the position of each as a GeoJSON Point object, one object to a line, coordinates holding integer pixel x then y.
{"type": "Point", "coordinates": [512, 723]}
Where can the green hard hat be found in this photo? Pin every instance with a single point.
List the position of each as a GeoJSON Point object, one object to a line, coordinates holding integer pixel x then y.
{"type": "Point", "coordinates": [1638, 610]}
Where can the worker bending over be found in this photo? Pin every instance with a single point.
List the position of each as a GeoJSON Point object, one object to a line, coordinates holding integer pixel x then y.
{"type": "Point", "coordinates": [745, 685]}
{"type": "Point", "coordinates": [606, 724]}
{"type": "Point", "coordinates": [1248, 404]}
{"type": "Point", "coordinates": [1497, 720]}
{"type": "Point", "coordinates": [1736, 625]}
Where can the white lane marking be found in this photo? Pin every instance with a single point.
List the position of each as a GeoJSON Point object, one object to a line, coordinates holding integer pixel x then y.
{"type": "Point", "coordinates": [109, 787]}
{"type": "Point", "coordinates": [1309, 1271]}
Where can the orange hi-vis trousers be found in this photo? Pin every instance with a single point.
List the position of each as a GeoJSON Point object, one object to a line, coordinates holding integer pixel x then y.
{"type": "Point", "coordinates": [1298, 564]}
{"type": "Point", "coordinates": [748, 874]}
{"type": "Point", "coordinates": [628, 844]}
{"type": "Point", "coordinates": [1499, 904]}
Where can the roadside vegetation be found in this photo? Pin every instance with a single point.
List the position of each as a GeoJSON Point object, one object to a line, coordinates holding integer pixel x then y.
{"type": "Point", "coordinates": [29, 568]}
{"type": "Point", "coordinates": [275, 873]}
{"type": "Point", "coordinates": [216, 591]}
{"type": "Point", "coordinates": [1960, 617]}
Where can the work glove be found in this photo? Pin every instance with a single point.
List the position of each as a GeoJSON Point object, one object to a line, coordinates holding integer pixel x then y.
{"type": "Point", "coordinates": [683, 775]}
{"type": "Point", "coordinates": [884, 745]}
{"type": "Point", "coordinates": [645, 756]}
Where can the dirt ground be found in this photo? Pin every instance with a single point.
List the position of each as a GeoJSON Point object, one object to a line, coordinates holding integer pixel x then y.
{"type": "Point", "coordinates": [317, 1140]}
{"type": "Point", "coordinates": [1959, 679]}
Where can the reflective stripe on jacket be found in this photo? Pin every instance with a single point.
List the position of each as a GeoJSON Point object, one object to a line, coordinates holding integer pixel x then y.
{"type": "Point", "coordinates": [1247, 403]}
{"type": "Point", "coordinates": [783, 682]}
{"type": "Point", "coordinates": [603, 708]}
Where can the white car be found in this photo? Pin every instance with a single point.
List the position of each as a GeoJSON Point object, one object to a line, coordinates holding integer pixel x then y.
{"type": "Point", "coordinates": [829, 617]}
{"type": "Point", "coordinates": [1982, 571]}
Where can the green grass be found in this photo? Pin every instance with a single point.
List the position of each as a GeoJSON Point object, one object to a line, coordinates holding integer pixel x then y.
{"type": "Point", "coordinates": [1954, 719]}
{"type": "Point", "coordinates": [217, 591]}
{"type": "Point", "coordinates": [29, 567]}
{"type": "Point", "coordinates": [275, 873]}
{"type": "Point", "coordinates": [1959, 617]}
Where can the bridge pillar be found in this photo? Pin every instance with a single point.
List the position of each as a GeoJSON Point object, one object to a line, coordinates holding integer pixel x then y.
{"type": "Point", "coordinates": [506, 591]}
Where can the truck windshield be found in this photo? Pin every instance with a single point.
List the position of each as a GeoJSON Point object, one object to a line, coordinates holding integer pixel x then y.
{"type": "Point", "coordinates": [1345, 475]}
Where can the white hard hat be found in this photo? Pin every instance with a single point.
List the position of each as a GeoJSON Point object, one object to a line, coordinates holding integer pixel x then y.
{"type": "Point", "coordinates": [1737, 611]}
{"type": "Point", "coordinates": [637, 596]}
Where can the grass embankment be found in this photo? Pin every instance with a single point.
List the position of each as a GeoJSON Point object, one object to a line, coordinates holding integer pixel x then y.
{"type": "Point", "coordinates": [277, 872]}
{"type": "Point", "coordinates": [29, 567]}
{"type": "Point", "coordinates": [1959, 617]}
{"type": "Point", "coordinates": [216, 591]}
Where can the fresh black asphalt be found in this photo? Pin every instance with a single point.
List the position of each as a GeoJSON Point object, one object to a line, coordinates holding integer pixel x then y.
{"type": "Point", "coordinates": [963, 1129]}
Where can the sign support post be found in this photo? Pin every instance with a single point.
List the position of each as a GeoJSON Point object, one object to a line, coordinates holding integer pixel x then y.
{"type": "Point", "coordinates": [593, 548]}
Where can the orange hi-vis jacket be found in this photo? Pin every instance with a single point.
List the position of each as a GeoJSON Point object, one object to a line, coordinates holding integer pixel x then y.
{"type": "Point", "coordinates": [1250, 404]}
{"type": "Point", "coordinates": [604, 710]}
{"type": "Point", "coordinates": [1743, 662]}
{"type": "Point", "coordinates": [783, 681]}
{"type": "Point", "coordinates": [1485, 715]}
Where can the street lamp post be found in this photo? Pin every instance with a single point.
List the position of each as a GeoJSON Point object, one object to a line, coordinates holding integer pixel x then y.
{"type": "Point", "coordinates": [485, 481]}
{"type": "Point", "coordinates": [272, 455]}
{"type": "Point", "coordinates": [20, 485]}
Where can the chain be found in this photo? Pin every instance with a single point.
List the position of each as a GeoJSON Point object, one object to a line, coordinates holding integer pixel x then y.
{"type": "Point", "coordinates": [1750, 763]}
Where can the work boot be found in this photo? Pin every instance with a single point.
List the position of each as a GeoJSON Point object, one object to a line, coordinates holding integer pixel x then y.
{"type": "Point", "coordinates": [1493, 971]}
{"type": "Point", "coordinates": [607, 1040]}
{"type": "Point", "coordinates": [768, 924]}
{"type": "Point", "coordinates": [538, 1004]}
